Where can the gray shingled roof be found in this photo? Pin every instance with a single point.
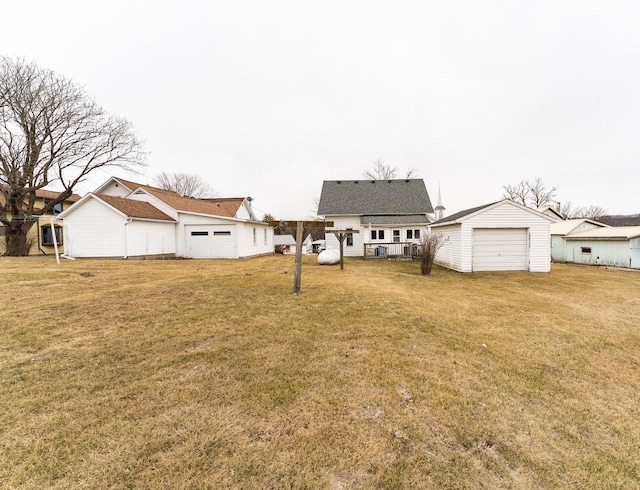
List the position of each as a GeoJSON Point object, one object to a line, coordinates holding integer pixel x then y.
{"type": "Point", "coordinates": [462, 214]}
{"type": "Point", "coordinates": [374, 197]}
{"type": "Point", "coordinates": [395, 219]}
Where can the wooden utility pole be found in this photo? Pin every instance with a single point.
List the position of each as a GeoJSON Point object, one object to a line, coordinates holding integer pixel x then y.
{"type": "Point", "coordinates": [297, 274]}
{"type": "Point", "coordinates": [299, 230]}
{"type": "Point", "coordinates": [341, 235]}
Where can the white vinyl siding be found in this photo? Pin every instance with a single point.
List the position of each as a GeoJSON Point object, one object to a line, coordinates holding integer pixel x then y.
{"type": "Point", "coordinates": [500, 249]}
{"type": "Point", "coordinates": [616, 253]}
{"type": "Point", "coordinates": [343, 223]}
{"type": "Point", "coordinates": [449, 253]}
{"type": "Point", "coordinates": [150, 238]}
{"type": "Point", "coordinates": [95, 230]}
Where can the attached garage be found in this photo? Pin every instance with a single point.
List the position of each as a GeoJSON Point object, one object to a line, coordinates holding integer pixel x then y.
{"type": "Point", "coordinates": [211, 241]}
{"type": "Point", "coordinates": [501, 236]}
{"type": "Point", "coordinates": [500, 249]}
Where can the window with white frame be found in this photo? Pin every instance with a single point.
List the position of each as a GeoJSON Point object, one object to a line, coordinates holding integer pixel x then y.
{"type": "Point", "coordinates": [374, 234]}
{"type": "Point", "coordinates": [396, 236]}
{"type": "Point", "coordinates": [409, 234]}
{"type": "Point", "coordinates": [255, 237]}
{"type": "Point", "coordinates": [265, 236]}
{"type": "Point", "coordinates": [416, 234]}
{"type": "Point", "coordinates": [349, 238]}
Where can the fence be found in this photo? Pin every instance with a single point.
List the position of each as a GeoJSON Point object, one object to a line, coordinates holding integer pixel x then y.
{"type": "Point", "coordinates": [392, 250]}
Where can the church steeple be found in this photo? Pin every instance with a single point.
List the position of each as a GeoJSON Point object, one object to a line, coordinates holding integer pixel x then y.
{"type": "Point", "coordinates": [439, 208]}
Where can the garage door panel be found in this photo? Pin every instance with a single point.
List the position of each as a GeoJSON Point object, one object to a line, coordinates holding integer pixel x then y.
{"type": "Point", "coordinates": [500, 249]}
{"type": "Point", "coordinates": [210, 241]}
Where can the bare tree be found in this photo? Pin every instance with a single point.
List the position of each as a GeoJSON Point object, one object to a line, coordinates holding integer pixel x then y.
{"type": "Point", "coordinates": [51, 134]}
{"type": "Point", "coordinates": [591, 212]}
{"type": "Point", "coordinates": [518, 193]}
{"type": "Point", "coordinates": [187, 185]}
{"type": "Point", "coordinates": [532, 193]}
{"type": "Point", "coordinates": [540, 194]}
{"type": "Point", "coordinates": [381, 171]}
{"type": "Point", "coordinates": [429, 246]}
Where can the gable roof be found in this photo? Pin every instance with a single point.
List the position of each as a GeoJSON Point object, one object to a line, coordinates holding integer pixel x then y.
{"type": "Point", "coordinates": [461, 215]}
{"type": "Point", "coordinates": [42, 194]}
{"type": "Point", "coordinates": [607, 233]}
{"type": "Point", "coordinates": [567, 226]}
{"type": "Point", "coordinates": [374, 197]}
{"type": "Point", "coordinates": [394, 219]}
{"type": "Point", "coordinates": [133, 208]}
{"type": "Point", "coordinates": [552, 210]}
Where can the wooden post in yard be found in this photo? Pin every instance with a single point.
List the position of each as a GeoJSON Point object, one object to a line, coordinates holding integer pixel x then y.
{"type": "Point", "coordinates": [299, 230]}
{"type": "Point", "coordinates": [297, 274]}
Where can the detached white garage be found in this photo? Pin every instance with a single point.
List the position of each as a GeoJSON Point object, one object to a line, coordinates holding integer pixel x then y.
{"type": "Point", "coordinates": [501, 236]}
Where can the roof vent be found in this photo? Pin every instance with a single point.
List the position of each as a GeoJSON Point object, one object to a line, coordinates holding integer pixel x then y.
{"type": "Point", "coordinates": [373, 181]}
{"type": "Point", "coordinates": [338, 182]}
{"type": "Point", "coordinates": [389, 181]}
{"type": "Point", "coordinates": [406, 180]}
{"type": "Point", "coordinates": [355, 182]}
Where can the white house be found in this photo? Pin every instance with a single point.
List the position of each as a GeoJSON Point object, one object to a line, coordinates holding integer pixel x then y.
{"type": "Point", "coordinates": [565, 227]}
{"type": "Point", "coordinates": [388, 214]}
{"type": "Point", "coordinates": [125, 219]}
{"type": "Point", "coordinates": [501, 236]}
{"type": "Point", "coordinates": [288, 244]}
{"type": "Point", "coordinates": [614, 246]}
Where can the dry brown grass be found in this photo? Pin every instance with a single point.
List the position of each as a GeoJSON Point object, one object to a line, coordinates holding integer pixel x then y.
{"type": "Point", "coordinates": [211, 374]}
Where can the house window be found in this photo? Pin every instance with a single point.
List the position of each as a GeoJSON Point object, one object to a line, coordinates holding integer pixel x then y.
{"type": "Point", "coordinates": [381, 234]}
{"type": "Point", "coordinates": [409, 234]}
{"type": "Point", "coordinates": [255, 237]}
{"type": "Point", "coordinates": [396, 236]}
{"type": "Point", "coordinates": [56, 209]}
{"type": "Point", "coordinates": [199, 233]}
{"type": "Point", "coordinates": [585, 250]}
{"type": "Point", "coordinates": [221, 233]}
{"type": "Point", "coordinates": [47, 236]}
{"type": "Point", "coordinates": [374, 234]}
{"type": "Point", "coordinates": [416, 234]}
{"type": "Point", "coordinates": [349, 239]}
{"type": "Point", "coordinates": [265, 236]}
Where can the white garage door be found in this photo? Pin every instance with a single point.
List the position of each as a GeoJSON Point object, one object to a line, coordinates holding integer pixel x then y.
{"type": "Point", "coordinates": [211, 241]}
{"type": "Point", "coordinates": [500, 249]}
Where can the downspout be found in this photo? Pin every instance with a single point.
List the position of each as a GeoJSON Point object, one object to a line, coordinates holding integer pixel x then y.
{"type": "Point", "coordinates": [126, 239]}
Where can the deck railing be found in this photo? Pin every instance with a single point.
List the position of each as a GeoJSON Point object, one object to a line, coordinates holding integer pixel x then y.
{"type": "Point", "coordinates": [392, 250]}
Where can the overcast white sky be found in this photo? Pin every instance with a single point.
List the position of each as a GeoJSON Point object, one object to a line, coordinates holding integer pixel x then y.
{"type": "Point", "coordinates": [269, 98]}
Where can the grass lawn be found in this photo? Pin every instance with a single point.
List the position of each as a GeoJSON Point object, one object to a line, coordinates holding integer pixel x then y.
{"type": "Point", "coordinates": [212, 374]}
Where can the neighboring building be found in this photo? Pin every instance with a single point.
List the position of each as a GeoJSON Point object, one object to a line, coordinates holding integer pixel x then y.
{"type": "Point", "coordinates": [620, 220]}
{"type": "Point", "coordinates": [41, 235]}
{"type": "Point", "coordinates": [612, 246]}
{"type": "Point", "coordinates": [562, 228]}
{"type": "Point", "coordinates": [552, 212]}
{"type": "Point", "coordinates": [501, 236]}
{"type": "Point", "coordinates": [287, 244]}
{"type": "Point", "coordinates": [127, 220]}
{"type": "Point", "coordinates": [388, 214]}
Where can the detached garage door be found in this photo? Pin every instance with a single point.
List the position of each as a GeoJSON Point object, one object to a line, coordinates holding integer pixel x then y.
{"type": "Point", "coordinates": [211, 241]}
{"type": "Point", "coordinates": [500, 249]}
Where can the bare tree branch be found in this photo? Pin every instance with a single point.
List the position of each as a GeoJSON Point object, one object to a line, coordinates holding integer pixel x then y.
{"type": "Point", "coordinates": [381, 171]}
{"type": "Point", "coordinates": [187, 185]}
{"type": "Point", "coordinates": [51, 133]}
